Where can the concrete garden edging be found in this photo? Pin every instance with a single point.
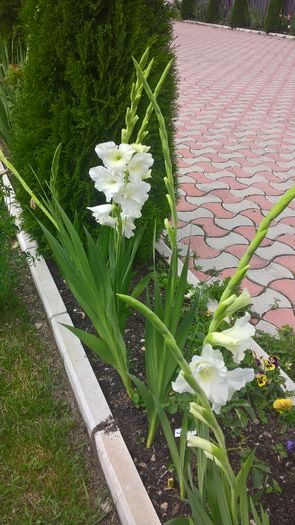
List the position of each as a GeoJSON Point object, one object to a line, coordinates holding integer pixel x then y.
{"type": "Point", "coordinates": [128, 492]}
{"type": "Point", "coordinates": [242, 29]}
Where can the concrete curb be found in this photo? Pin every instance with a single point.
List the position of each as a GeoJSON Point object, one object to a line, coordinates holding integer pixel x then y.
{"type": "Point", "coordinates": [128, 492]}
{"type": "Point", "coordinates": [242, 29]}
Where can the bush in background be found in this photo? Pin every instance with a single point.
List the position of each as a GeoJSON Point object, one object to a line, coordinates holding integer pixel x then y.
{"type": "Point", "coordinates": [187, 9]}
{"type": "Point", "coordinates": [212, 11]}
{"type": "Point", "coordinates": [273, 22]}
{"type": "Point", "coordinates": [292, 26]}
{"type": "Point", "coordinates": [256, 19]}
{"type": "Point", "coordinates": [76, 87]}
{"type": "Point", "coordinates": [7, 269]}
{"type": "Point", "coordinates": [240, 16]}
{"type": "Point", "coordinates": [9, 16]}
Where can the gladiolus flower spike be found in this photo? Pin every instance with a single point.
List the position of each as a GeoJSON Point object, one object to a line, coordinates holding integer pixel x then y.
{"type": "Point", "coordinates": [122, 180]}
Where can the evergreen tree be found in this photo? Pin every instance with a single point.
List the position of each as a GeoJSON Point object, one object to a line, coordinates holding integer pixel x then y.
{"type": "Point", "coordinates": [187, 10]}
{"type": "Point", "coordinates": [9, 16]}
{"type": "Point", "coordinates": [76, 89]}
{"type": "Point", "coordinates": [212, 11]}
{"type": "Point", "coordinates": [240, 16]}
{"type": "Point", "coordinates": [273, 22]}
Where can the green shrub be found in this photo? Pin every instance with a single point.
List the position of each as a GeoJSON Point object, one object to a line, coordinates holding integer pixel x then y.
{"type": "Point", "coordinates": [76, 88]}
{"type": "Point", "coordinates": [7, 270]}
{"type": "Point", "coordinates": [292, 26]}
{"type": "Point", "coordinates": [240, 14]}
{"type": "Point", "coordinates": [256, 19]}
{"type": "Point", "coordinates": [212, 11]}
{"type": "Point", "coordinates": [9, 16]}
{"type": "Point", "coordinates": [187, 9]}
{"type": "Point", "coordinates": [273, 22]}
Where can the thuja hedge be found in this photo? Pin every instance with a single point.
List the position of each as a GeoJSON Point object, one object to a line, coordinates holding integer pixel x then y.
{"type": "Point", "coordinates": [9, 16]}
{"type": "Point", "coordinates": [187, 9]}
{"type": "Point", "coordinates": [76, 89]}
{"type": "Point", "coordinates": [273, 20]}
{"type": "Point", "coordinates": [212, 11]}
{"type": "Point", "coordinates": [240, 16]}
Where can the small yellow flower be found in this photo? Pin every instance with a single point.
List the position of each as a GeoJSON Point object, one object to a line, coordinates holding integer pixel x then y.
{"type": "Point", "coordinates": [261, 379]}
{"type": "Point", "coordinates": [282, 405]}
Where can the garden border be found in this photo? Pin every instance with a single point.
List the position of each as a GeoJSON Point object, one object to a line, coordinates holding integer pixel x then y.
{"type": "Point", "coordinates": [242, 29]}
{"type": "Point", "coordinates": [131, 500]}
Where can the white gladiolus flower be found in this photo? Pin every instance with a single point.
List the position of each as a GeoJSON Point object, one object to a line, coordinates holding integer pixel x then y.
{"type": "Point", "coordinates": [108, 181]}
{"type": "Point", "coordinates": [113, 156]}
{"type": "Point", "coordinates": [128, 226]}
{"type": "Point", "coordinates": [140, 148]}
{"type": "Point", "coordinates": [240, 302]}
{"type": "Point", "coordinates": [216, 381]}
{"type": "Point", "coordinates": [102, 215]}
{"type": "Point", "coordinates": [139, 166]}
{"type": "Point", "coordinates": [132, 197]}
{"type": "Point", "coordinates": [236, 339]}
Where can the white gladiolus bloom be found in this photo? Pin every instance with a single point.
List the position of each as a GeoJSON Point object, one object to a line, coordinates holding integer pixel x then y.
{"type": "Point", "coordinates": [128, 226]}
{"type": "Point", "coordinates": [139, 167]}
{"type": "Point", "coordinates": [102, 215]}
{"type": "Point", "coordinates": [132, 197]}
{"type": "Point", "coordinates": [113, 156]}
{"type": "Point", "coordinates": [236, 339]}
{"type": "Point", "coordinates": [240, 302]}
{"type": "Point", "coordinates": [216, 381]}
{"type": "Point", "coordinates": [108, 181]}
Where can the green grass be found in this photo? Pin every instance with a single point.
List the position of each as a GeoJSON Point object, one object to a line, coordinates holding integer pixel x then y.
{"type": "Point", "coordinates": [46, 475]}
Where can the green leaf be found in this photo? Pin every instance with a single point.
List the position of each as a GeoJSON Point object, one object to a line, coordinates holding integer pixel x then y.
{"type": "Point", "coordinates": [178, 521]}
{"type": "Point", "coordinates": [94, 343]}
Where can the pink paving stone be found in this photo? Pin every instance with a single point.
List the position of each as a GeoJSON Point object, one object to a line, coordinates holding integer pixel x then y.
{"type": "Point", "coordinates": [191, 190]}
{"type": "Point", "coordinates": [289, 240]}
{"type": "Point", "coordinates": [200, 275]}
{"type": "Point", "coordinates": [267, 188]}
{"type": "Point", "coordinates": [239, 249]}
{"type": "Point", "coordinates": [262, 202]}
{"type": "Point", "coordinates": [183, 205]}
{"type": "Point", "coordinates": [239, 172]}
{"type": "Point", "coordinates": [288, 261]}
{"type": "Point", "coordinates": [211, 229]}
{"type": "Point", "coordinates": [232, 183]}
{"type": "Point", "coordinates": [218, 210]}
{"type": "Point", "coordinates": [199, 246]}
{"type": "Point", "coordinates": [288, 220]}
{"type": "Point", "coordinates": [254, 289]}
{"type": "Point", "coordinates": [185, 152]}
{"type": "Point", "coordinates": [255, 215]}
{"type": "Point", "coordinates": [208, 168]}
{"type": "Point", "coordinates": [280, 317]}
{"type": "Point", "coordinates": [249, 233]}
{"type": "Point", "coordinates": [227, 196]}
{"type": "Point", "coordinates": [286, 287]}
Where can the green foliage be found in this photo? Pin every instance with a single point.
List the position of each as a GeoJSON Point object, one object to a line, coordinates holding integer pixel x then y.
{"type": "Point", "coordinates": [7, 268]}
{"type": "Point", "coordinates": [11, 60]}
{"type": "Point", "coordinates": [240, 14]}
{"type": "Point", "coordinates": [187, 9]}
{"type": "Point", "coordinates": [9, 16]}
{"type": "Point", "coordinates": [76, 89]}
{"type": "Point", "coordinates": [282, 346]}
{"type": "Point", "coordinates": [212, 12]}
{"type": "Point", "coordinates": [273, 23]}
{"type": "Point", "coordinates": [292, 26]}
{"type": "Point", "coordinates": [256, 19]}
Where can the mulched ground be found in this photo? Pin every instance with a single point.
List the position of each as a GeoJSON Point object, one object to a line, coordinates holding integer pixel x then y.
{"type": "Point", "coordinates": [154, 465]}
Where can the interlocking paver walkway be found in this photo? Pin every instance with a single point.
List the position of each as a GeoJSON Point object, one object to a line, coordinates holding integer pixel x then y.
{"type": "Point", "coordinates": [236, 157]}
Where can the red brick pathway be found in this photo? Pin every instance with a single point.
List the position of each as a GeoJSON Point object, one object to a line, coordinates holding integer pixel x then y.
{"type": "Point", "coordinates": [236, 156]}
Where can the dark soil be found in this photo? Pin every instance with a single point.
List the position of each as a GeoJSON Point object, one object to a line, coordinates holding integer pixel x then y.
{"type": "Point", "coordinates": [154, 465]}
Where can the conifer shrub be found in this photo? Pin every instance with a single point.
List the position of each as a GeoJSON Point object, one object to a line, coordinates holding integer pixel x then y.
{"type": "Point", "coordinates": [187, 9]}
{"type": "Point", "coordinates": [212, 11]}
{"type": "Point", "coordinates": [76, 89]}
{"type": "Point", "coordinates": [272, 22]}
{"type": "Point", "coordinates": [292, 26]}
{"type": "Point", "coordinates": [9, 16]}
{"type": "Point", "coordinates": [240, 16]}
